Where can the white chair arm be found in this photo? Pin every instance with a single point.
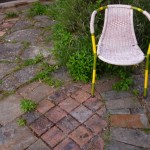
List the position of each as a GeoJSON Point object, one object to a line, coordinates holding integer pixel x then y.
{"type": "Point", "coordinates": [146, 14]}
{"type": "Point", "coordinates": [92, 21]}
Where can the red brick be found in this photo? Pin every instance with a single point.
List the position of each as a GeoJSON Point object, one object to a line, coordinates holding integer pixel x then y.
{"type": "Point", "coordinates": [81, 96]}
{"type": "Point", "coordinates": [2, 33]}
{"type": "Point", "coordinates": [55, 114]}
{"type": "Point", "coordinates": [81, 135]}
{"type": "Point", "coordinates": [93, 103]}
{"type": "Point", "coordinates": [96, 124]}
{"type": "Point", "coordinates": [95, 143]}
{"type": "Point", "coordinates": [70, 90]}
{"type": "Point", "coordinates": [67, 144]}
{"type": "Point", "coordinates": [41, 125]}
{"type": "Point", "coordinates": [102, 111]}
{"type": "Point", "coordinates": [129, 121]}
{"type": "Point", "coordinates": [69, 104]}
{"type": "Point", "coordinates": [68, 124]}
{"type": "Point", "coordinates": [6, 25]}
{"type": "Point", "coordinates": [53, 136]}
{"type": "Point", "coordinates": [81, 113]}
{"type": "Point", "coordinates": [87, 88]}
{"type": "Point", "coordinates": [44, 106]}
{"type": "Point", "coordinates": [57, 97]}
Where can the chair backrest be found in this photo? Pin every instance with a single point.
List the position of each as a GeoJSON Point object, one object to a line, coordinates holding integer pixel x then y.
{"type": "Point", "coordinates": [118, 27]}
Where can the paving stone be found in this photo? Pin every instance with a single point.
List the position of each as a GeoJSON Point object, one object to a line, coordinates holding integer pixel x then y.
{"type": "Point", "coordinates": [115, 145]}
{"type": "Point", "coordinates": [41, 125]}
{"type": "Point", "coordinates": [81, 113]}
{"type": "Point", "coordinates": [6, 25]}
{"type": "Point", "coordinates": [93, 103]}
{"type": "Point", "coordinates": [27, 88]}
{"type": "Point", "coordinates": [96, 124]}
{"type": "Point", "coordinates": [81, 96]}
{"type": "Point", "coordinates": [6, 68]}
{"type": "Point", "coordinates": [57, 97]}
{"type": "Point", "coordinates": [105, 84]}
{"type": "Point", "coordinates": [13, 137]}
{"type": "Point", "coordinates": [30, 117]}
{"type": "Point", "coordinates": [44, 106]}
{"type": "Point", "coordinates": [38, 93]}
{"type": "Point", "coordinates": [22, 24]}
{"type": "Point", "coordinates": [138, 110]}
{"type": "Point", "coordinates": [33, 51]}
{"type": "Point", "coordinates": [119, 111]}
{"type": "Point", "coordinates": [39, 145]}
{"type": "Point", "coordinates": [28, 35]}
{"type": "Point", "coordinates": [131, 137]}
{"type": "Point", "coordinates": [2, 33]}
{"type": "Point", "coordinates": [10, 104]}
{"type": "Point", "coordinates": [81, 135]}
{"type": "Point", "coordinates": [62, 75]}
{"type": "Point", "coordinates": [18, 78]}
{"type": "Point", "coordinates": [70, 90]}
{"type": "Point", "coordinates": [2, 16]}
{"type": "Point", "coordinates": [123, 103]}
{"type": "Point", "coordinates": [87, 88]}
{"type": "Point", "coordinates": [67, 124]}
{"type": "Point", "coordinates": [43, 21]}
{"type": "Point", "coordinates": [95, 143]}
{"type": "Point", "coordinates": [12, 20]}
{"type": "Point", "coordinates": [9, 51]}
{"type": "Point", "coordinates": [67, 144]}
{"type": "Point", "coordinates": [69, 104]}
{"type": "Point", "coordinates": [102, 112]}
{"type": "Point", "coordinates": [129, 121]}
{"type": "Point", "coordinates": [113, 95]}
{"type": "Point", "coordinates": [53, 136]}
{"type": "Point", "coordinates": [55, 114]}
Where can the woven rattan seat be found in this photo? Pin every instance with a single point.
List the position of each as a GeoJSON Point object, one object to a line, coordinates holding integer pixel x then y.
{"type": "Point", "coordinates": [118, 44]}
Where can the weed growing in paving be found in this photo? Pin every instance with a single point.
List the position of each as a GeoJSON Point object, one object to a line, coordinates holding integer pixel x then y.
{"type": "Point", "coordinates": [25, 44]}
{"type": "Point", "coordinates": [11, 15]}
{"type": "Point", "coordinates": [37, 9]}
{"type": "Point", "coordinates": [28, 105]}
{"type": "Point", "coordinates": [21, 122]}
{"type": "Point", "coordinates": [36, 60]}
{"type": "Point", "coordinates": [45, 75]}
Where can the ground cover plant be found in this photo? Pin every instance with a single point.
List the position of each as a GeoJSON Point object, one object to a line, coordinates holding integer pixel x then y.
{"type": "Point", "coordinates": [71, 36]}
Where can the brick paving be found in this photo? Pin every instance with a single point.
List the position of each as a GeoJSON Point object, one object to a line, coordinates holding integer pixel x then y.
{"type": "Point", "coordinates": [68, 118]}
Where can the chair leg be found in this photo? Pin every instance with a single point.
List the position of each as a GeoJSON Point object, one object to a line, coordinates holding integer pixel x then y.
{"type": "Point", "coordinates": [94, 75]}
{"type": "Point", "coordinates": [146, 75]}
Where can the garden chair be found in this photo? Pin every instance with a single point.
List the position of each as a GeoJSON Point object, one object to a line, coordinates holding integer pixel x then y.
{"type": "Point", "coordinates": [118, 44]}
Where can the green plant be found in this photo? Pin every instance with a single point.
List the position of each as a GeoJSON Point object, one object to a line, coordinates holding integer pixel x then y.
{"type": "Point", "coordinates": [11, 15]}
{"type": "Point", "coordinates": [36, 60]}
{"type": "Point", "coordinates": [45, 75]}
{"type": "Point", "coordinates": [27, 105]}
{"type": "Point", "coordinates": [37, 9]}
{"type": "Point", "coordinates": [21, 122]}
{"type": "Point", "coordinates": [25, 44]}
{"type": "Point", "coordinates": [135, 92]}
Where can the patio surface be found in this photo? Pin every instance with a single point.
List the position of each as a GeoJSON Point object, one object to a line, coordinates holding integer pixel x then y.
{"type": "Point", "coordinates": [66, 118]}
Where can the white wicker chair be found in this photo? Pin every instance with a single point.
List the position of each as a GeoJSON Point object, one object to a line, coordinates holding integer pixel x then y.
{"type": "Point", "coordinates": [118, 44]}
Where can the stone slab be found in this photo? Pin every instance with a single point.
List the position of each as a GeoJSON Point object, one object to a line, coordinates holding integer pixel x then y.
{"type": "Point", "coordinates": [13, 137]}
{"type": "Point", "coordinates": [119, 111]}
{"type": "Point", "coordinates": [28, 35]}
{"type": "Point", "coordinates": [6, 68]}
{"type": "Point", "coordinates": [33, 51]}
{"type": "Point", "coordinates": [131, 136]}
{"type": "Point", "coordinates": [113, 95]}
{"type": "Point", "coordinates": [9, 51]}
{"type": "Point", "coordinates": [115, 145]}
{"type": "Point", "coordinates": [13, 81]}
{"type": "Point", "coordinates": [123, 103]}
{"type": "Point", "coordinates": [38, 145]}
{"type": "Point", "coordinates": [43, 21]}
{"type": "Point", "coordinates": [10, 109]}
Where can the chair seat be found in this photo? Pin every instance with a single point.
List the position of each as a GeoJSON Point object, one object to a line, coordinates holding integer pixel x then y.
{"type": "Point", "coordinates": [122, 56]}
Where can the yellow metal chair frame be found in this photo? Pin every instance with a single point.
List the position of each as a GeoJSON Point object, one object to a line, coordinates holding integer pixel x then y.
{"type": "Point", "coordinates": [95, 57]}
